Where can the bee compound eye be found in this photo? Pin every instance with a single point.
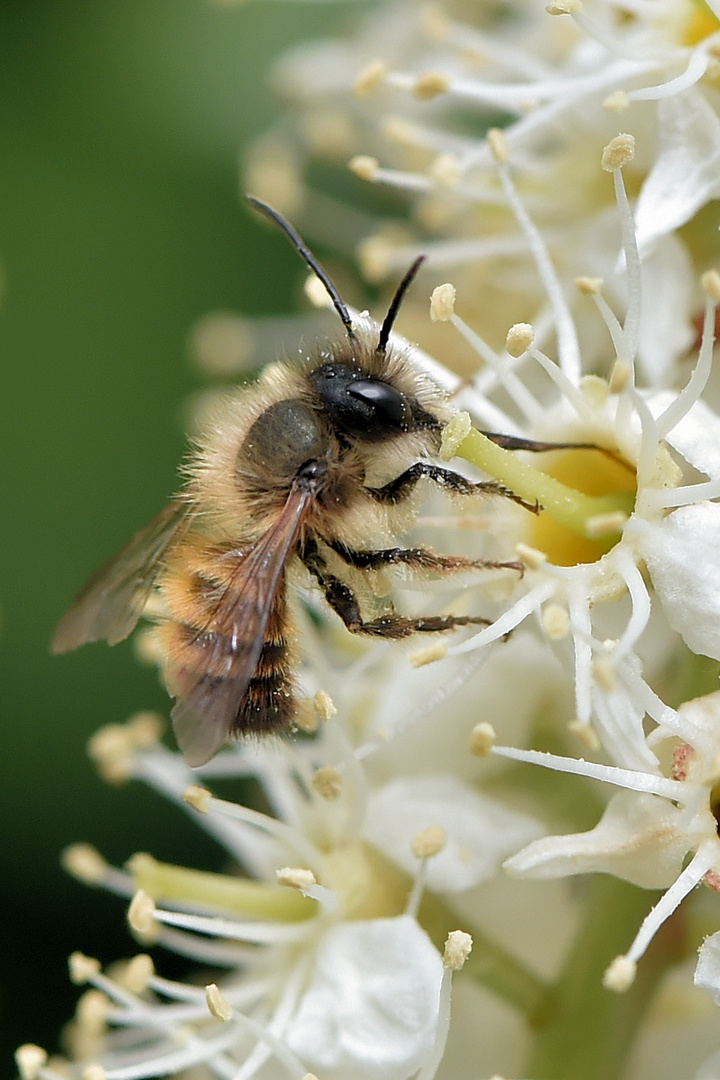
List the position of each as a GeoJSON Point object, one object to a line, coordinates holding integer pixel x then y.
{"type": "Point", "coordinates": [365, 408]}
{"type": "Point", "coordinates": [388, 403]}
{"type": "Point", "coordinates": [283, 438]}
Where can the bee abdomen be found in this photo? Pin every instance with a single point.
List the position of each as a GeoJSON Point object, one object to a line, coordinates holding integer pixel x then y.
{"type": "Point", "coordinates": [268, 704]}
{"type": "Point", "coordinates": [263, 690]}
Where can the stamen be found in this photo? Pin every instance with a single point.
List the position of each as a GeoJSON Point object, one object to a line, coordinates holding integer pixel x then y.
{"type": "Point", "coordinates": [611, 774]}
{"type": "Point", "coordinates": [30, 1059]}
{"type": "Point", "coordinates": [687, 494]}
{"type": "Point", "coordinates": [518, 392]}
{"type": "Point", "coordinates": [282, 1052]}
{"type": "Point", "coordinates": [295, 877]}
{"type": "Point", "coordinates": [324, 706]}
{"type": "Point", "coordinates": [570, 390]}
{"type": "Point", "coordinates": [370, 78]}
{"type": "Point", "coordinates": [519, 339]}
{"type": "Point", "coordinates": [430, 654]}
{"type": "Point", "coordinates": [617, 334]}
{"type": "Point", "coordinates": [640, 599]}
{"type": "Point", "coordinates": [430, 85]}
{"type": "Point", "coordinates": [649, 441]}
{"type": "Point", "coordinates": [97, 1072]}
{"type": "Point", "coordinates": [85, 863]}
{"type": "Point", "coordinates": [442, 303]}
{"type": "Point", "coordinates": [568, 345]}
{"type": "Point", "coordinates": [368, 169]}
{"type": "Point", "coordinates": [705, 857]}
{"type": "Point", "coordinates": [696, 68]}
{"type": "Point", "coordinates": [579, 609]}
{"type": "Point", "coordinates": [253, 932]}
{"type": "Point", "coordinates": [482, 739]}
{"type": "Point", "coordinates": [555, 621]}
{"type": "Point", "coordinates": [279, 829]}
{"type": "Point", "coordinates": [457, 950]}
{"type": "Point", "coordinates": [82, 968]}
{"type": "Point", "coordinates": [327, 782]}
{"type": "Point", "coordinates": [176, 1060]}
{"type": "Point", "coordinates": [137, 973]}
{"type": "Point", "coordinates": [693, 389]}
{"type": "Point", "coordinates": [532, 601]}
{"type": "Point", "coordinates": [426, 844]}
{"type": "Point", "coordinates": [141, 916]}
{"type": "Point", "coordinates": [629, 243]}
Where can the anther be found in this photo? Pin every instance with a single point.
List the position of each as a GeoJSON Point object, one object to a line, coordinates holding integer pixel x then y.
{"type": "Point", "coordinates": [442, 303]}
{"type": "Point", "coordinates": [457, 949]}
{"type": "Point", "coordinates": [429, 842]}
{"type": "Point", "coordinates": [619, 152]}
{"type": "Point", "coordinates": [217, 1003]}
{"type": "Point", "coordinates": [197, 797]}
{"type": "Point", "coordinates": [482, 739]}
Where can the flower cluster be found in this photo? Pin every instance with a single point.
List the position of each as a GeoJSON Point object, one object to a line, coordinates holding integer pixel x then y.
{"type": "Point", "coordinates": [579, 731]}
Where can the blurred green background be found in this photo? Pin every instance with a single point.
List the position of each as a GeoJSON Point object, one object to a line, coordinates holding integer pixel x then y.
{"type": "Point", "coordinates": [120, 225]}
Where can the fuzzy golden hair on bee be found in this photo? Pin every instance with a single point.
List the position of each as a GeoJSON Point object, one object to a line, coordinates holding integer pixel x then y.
{"type": "Point", "coordinates": [240, 473]}
{"type": "Point", "coordinates": [310, 473]}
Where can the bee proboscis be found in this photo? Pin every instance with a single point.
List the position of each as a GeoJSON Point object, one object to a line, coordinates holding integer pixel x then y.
{"type": "Point", "coordinates": [304, 467]}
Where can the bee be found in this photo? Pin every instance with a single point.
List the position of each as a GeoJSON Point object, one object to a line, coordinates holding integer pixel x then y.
{"type": "Point", "coordinates": [302, 468]}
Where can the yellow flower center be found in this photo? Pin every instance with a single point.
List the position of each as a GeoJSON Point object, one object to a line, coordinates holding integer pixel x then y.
{"type": "Point", "coordinates": [702, 22]}
{"type": "Point", "coordinates": [368, 885]}
{"type": "Point", "coordinates": [590, 472]}
{"type": "Point", "coordinates": [585, 493]}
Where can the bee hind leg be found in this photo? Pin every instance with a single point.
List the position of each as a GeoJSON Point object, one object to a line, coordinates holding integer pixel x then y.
{"type": "Point", "coordinates": [344, 603]}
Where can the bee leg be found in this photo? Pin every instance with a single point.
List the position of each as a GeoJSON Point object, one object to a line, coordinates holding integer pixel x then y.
{"type": "Point", "coordinates": [404, 484]}
{"type": "Point", "coordinates": [344, 603]}
{"type": "Point", "coordinates": [416, 559]}
{"type": "Point", "coordinates": [515, 442]}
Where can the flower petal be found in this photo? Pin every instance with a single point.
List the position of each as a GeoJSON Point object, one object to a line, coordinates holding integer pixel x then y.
{"type": "Point", "coordinates": [480, 831]}
{"type": "Point", "coordinates": [686, 173]}
{"type": "Point", "coordinates": [696, 435]}
{"type": "Point", "coordinates": [707, 972]}
{"type": "Point", "coordinates": [639, 838]}
{"type": "Point", "coordinates": [681, 553]}
{"type": "Point", "coordinates": [370, 1010]}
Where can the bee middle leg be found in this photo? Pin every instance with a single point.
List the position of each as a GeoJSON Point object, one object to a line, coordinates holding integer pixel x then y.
{"type": "Point", "coordinates": [415, 559]}
{"type": "Point", "coordinates": [344, 603]}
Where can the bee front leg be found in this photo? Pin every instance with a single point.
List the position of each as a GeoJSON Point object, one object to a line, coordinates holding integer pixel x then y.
{"type": "Point", "coordinates": [404, 484]}
{"type": "Point", "coordinates": [344, 603]}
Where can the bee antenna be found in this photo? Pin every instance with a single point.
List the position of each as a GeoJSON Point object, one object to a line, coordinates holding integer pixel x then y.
{"type": "Point", "coordinates": [396, 302]}
{"type": "Point", "coordinates": [301, 247]}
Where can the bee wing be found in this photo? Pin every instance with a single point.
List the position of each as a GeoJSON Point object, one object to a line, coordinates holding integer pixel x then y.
{"type": "Point", "coordinates": [111, 602]}
{"type": "Point", "coordinates": [210, 671]}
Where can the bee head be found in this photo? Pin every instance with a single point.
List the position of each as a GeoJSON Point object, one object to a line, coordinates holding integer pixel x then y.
{"type": "Point", "coordinates": [366, 408]}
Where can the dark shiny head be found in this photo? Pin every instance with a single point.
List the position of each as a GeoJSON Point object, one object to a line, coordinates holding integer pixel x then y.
{"type": "Point", "coordinates": [366, 408]}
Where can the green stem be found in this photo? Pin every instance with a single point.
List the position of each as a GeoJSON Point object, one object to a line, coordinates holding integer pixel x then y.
{"type": "Point", "coordinates": [489, 963]}
{"type": "Point", "coordinates": [588, 1031]}
{"type": "Point", "coordinates": [568, 507]}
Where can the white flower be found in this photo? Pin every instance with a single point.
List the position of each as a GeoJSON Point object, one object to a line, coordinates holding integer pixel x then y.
{"type": "Point", "coordinates": [385, 828]}
{"type": "Point", "coordinates": [335, 972]}
{"type": "Point", "coordinates": [611, 692]}
{"type": "Point", "coordinates": [648, 829]}
{"type": "Point", "coordinates": [560, 80]}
